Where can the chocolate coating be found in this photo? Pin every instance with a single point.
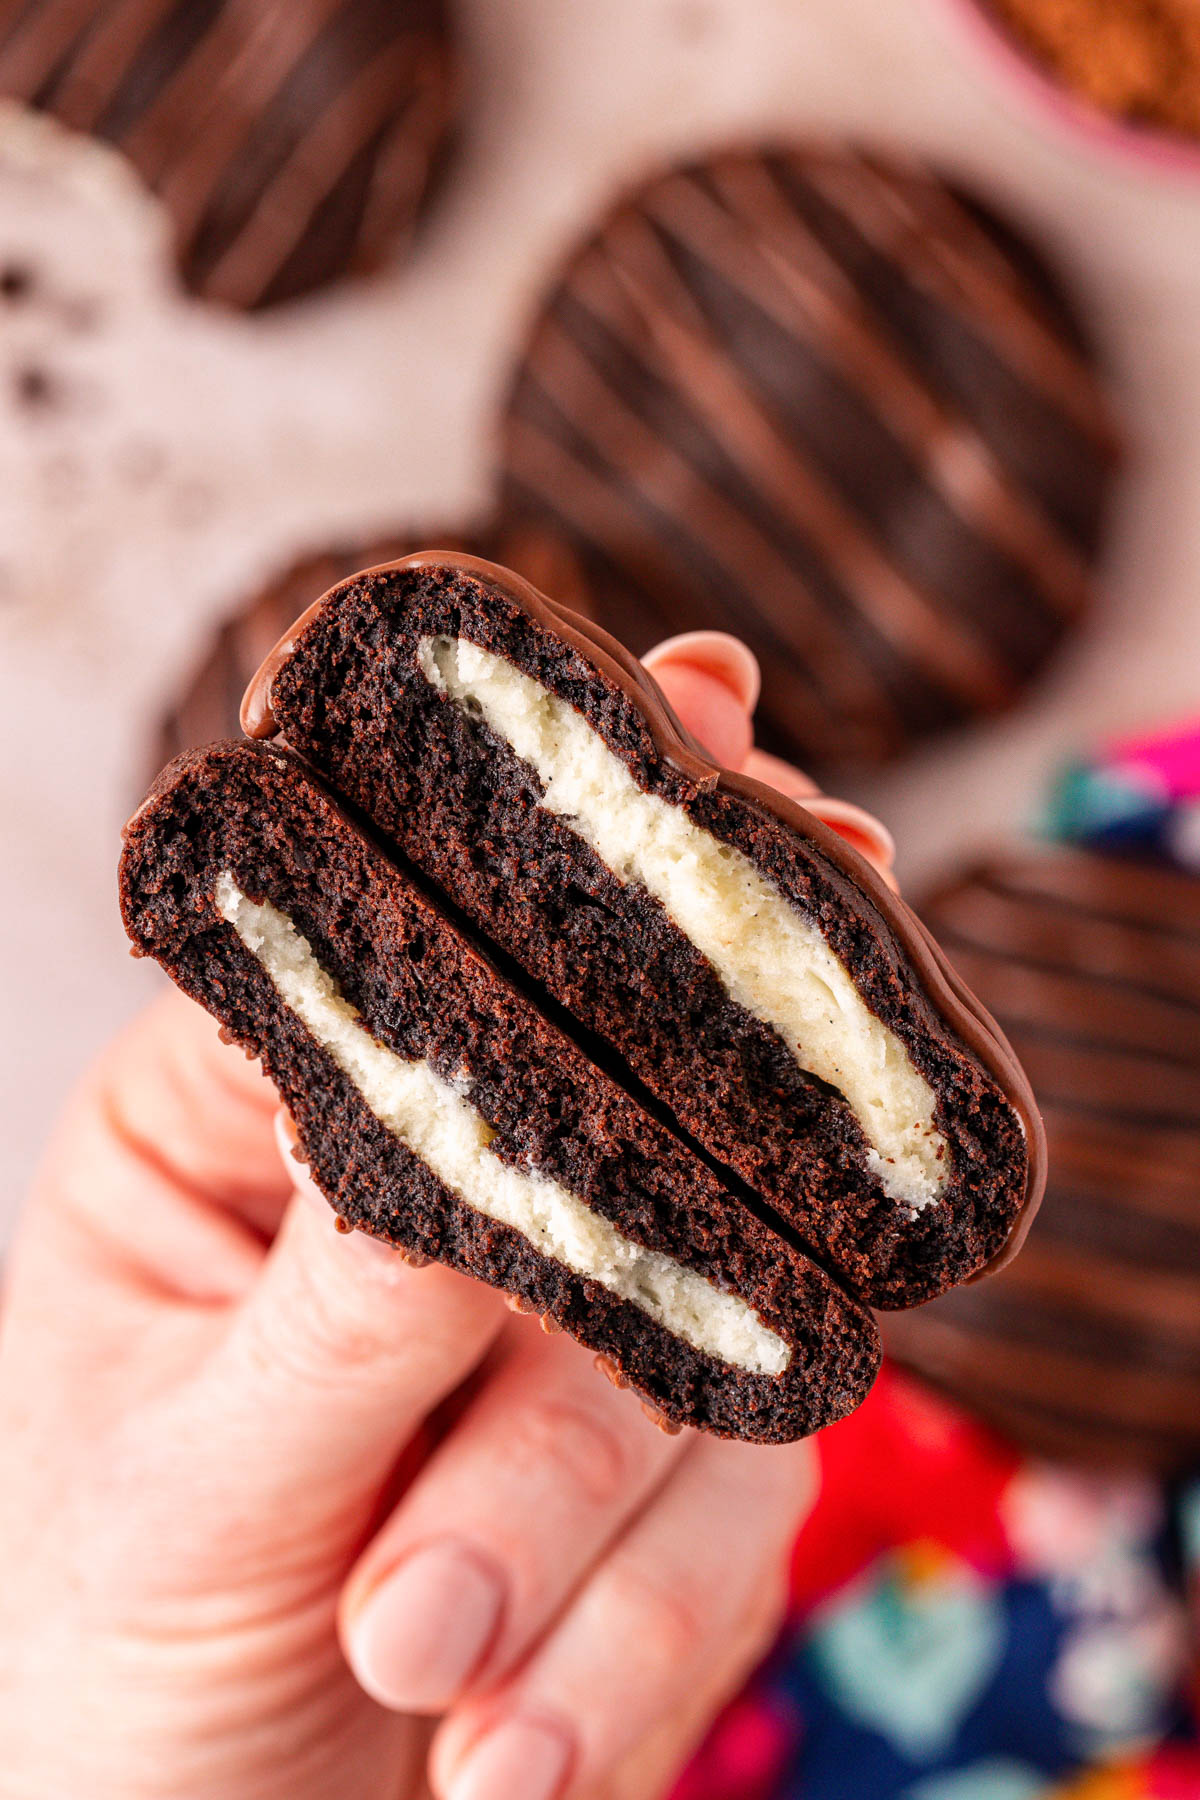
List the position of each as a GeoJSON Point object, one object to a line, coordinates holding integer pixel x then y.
{"type": "Point", "coordinates": [894, 963]}
{"type": "Point", "coordinates": [1089, 1346]}
{"type": "Point", "coordinates": [292, 141]}
{"type": "Point", "coordinates": [207, 705]}
{"type": "Point", "coordinates": [823, 401]}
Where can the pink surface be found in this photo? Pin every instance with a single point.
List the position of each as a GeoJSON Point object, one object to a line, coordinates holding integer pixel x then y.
{"type": "Point", "coordinates": [1159, 150]}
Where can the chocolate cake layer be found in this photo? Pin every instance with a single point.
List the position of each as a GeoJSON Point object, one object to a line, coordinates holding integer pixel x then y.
{"type": "Point", "coordinates": [292, 141]}
{"type": "Point", "coordinates": [440, 1111]}
{"type": "Point", "coordinates": [208, 702]}
{"type": "Point", "coordinates": [1089, 1345]}
{"type": "Point", "coordinates": [746, 964]}
{"type": "Point", "coordinates": [822, 400]}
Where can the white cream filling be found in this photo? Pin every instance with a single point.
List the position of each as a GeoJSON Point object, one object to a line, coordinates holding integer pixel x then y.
{"type": "Point", "coordinates": [437, 1122]}
{"type": "Point", "coordinates": [769, 958]}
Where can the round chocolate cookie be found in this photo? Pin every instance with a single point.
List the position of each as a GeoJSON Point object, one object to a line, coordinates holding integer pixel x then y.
{"type": "Point", "coordinates": [207, 705]}
{"type": "Point", "coordinates": [1088, 1344]}
{"type": "Point", "coordinates": [826, 402]}
{"type": "Point", "coordinates": [292, 141]}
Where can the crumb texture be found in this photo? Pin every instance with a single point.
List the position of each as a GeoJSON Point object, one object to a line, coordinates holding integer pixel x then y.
{"type": "Point", "coordinates": [769, 958]}
{"type": "Point", "coordinates": [1136, 59]}
{"type": "Point", "coordinates": [436, 1120]}
{"type": "Point", "coordinates": [440, 1110]}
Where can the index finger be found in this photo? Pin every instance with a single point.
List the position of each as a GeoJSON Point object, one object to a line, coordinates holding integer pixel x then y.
{"type": "Point", "coordinates": [712, 681]}
{"type": "Point", "coordinates": [161, 1184]}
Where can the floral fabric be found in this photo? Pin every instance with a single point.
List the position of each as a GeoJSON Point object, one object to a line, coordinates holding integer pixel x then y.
{"type": "Point", "coordinates": [967, 1625]}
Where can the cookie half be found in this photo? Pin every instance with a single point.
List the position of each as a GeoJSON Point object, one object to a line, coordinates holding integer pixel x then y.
{"type": "Point", "coordinates": [442, 1112]}
{"type": "Point", "coordinates": [747, 965]}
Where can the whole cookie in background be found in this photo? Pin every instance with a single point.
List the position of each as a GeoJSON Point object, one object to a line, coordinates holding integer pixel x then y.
{"type": "Point", "coordinates": [207, 704]}
{"type": "Point", "coordinates": [292, 141]}
{"type": "Point", "coordinates": [1088, 1346]}
{"type": "Point", "coordinates": [826, 402]}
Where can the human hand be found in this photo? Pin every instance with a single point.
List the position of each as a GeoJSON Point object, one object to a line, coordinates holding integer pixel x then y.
{"type": "Point", "coordinates": [267, 1493]}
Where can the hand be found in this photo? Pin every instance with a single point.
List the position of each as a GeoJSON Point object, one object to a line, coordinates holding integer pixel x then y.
{"type": "Point", "coordinates": [282, 1516]}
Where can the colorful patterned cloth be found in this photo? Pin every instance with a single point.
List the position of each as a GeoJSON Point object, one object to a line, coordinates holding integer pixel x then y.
{"type": "Point", "coordinates": [1136, 795]}
{"type": "Point", "coordinates": [966, 1625]}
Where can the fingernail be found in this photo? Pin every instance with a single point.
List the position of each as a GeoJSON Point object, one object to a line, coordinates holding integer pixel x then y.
{"type": "Point", "coordinates": [523, 1759]}
{"type": "Point", "coordinates": [862, 829]}
{"type": "Point", "coordinates": [717, 653]}
{"type": "Point", "coordinates": [425, 1630]}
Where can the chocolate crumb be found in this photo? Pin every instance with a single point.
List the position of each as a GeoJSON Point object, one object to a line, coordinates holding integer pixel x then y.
{"type": "Point", "coordinates": [668, 1427]}
{"type": "Point", "coordinates": [34, 387]}
{"type": "Point", "coordinates": [16, 282]}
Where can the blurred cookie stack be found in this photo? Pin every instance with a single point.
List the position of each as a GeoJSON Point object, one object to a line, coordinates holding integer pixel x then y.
{"type": "Point", "coordinates": [1088, 1345]}
{"type": "Point", "coordinates": [826, 401]}
{"type": "Point", "coordinates": [291, 141]}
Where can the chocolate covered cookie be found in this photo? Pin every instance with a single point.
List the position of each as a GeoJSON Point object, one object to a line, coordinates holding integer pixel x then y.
{"type": "Point", "coordinates": [292, 141]}
{"type": "Point", "coordinates": [824, 401]}
{"type": "Point", "coordinates": [442, 1112]}
{"type": "Point", "coordinates": [1089, 1345]}
{"type": "Point", "coordinates": [747, 966]}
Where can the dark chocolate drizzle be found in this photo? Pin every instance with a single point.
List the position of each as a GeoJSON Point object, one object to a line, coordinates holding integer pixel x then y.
{"type": "Point", "coordinates": [1091, 1345]}
{"type": "Point", "coordinates": [291, 141]}
{"type": "Point", "coordinates": [817, 398]}
{"type": "Point", "coordinates": [964, 1018]}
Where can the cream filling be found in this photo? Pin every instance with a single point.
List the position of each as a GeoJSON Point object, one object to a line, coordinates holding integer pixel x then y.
{"type": "Point", "coordinates": [768, 957]}
{"type": "Point", "coordinates": [437, 1122]}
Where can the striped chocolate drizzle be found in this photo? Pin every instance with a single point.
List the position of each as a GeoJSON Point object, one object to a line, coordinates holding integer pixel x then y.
{"type": "Point", "coordinates": [291, 140]}
{"type": "Point", "coordinates": [819, 400]}
{"type": "Point", "coordinates": [1089, 1343]}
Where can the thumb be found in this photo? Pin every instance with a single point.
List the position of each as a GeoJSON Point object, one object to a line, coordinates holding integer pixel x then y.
{"type": "Point", "coordinates": [334, 1358]}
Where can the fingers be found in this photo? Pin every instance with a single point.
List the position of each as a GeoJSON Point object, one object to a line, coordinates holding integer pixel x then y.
{"type": "Point", "coordinates": [201, 1107]}
{"type": "Point", "coordinates": [711, 680]}
{"type": "Point", "coordinates": [333, 1359]}
{"type": "Point", "coordinates": [542, 1471]}
{"type": "Point", "coordinates": [718, 654]}
{"type": "Point", "coordinates": [686, 1599]}
{"type": "Point", "coordinates": [772, 771]}
{"type": "Point", "coordinates": [157, 1188]}
{"type": "Point", "coordinates": [860, 828]}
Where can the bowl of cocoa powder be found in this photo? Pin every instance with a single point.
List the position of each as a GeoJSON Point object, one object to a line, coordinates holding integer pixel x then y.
{"type": "Point", "coordinates": [1125, 72]}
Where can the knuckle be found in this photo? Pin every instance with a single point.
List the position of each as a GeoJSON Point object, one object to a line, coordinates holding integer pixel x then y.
{"type": "Point", "coordinates": [320, 1336]}
{"type": "Point", "coordinates": [661, 1625]}
{"type": "Point", "coordinates": [583, 1448]}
